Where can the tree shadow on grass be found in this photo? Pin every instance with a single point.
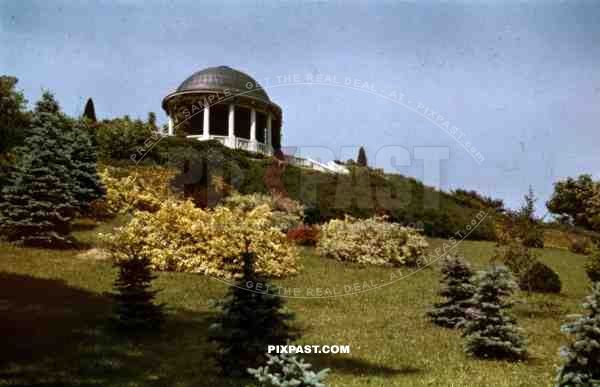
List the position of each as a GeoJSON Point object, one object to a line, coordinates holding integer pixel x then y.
{"type": "Point", "coordinates": [57, 335]}
{"type": "Point", "coordinates": [343, 363]}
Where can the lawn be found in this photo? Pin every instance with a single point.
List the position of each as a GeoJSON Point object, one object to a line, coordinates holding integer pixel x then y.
{"type": "Point", "coordinates": [55, 307]}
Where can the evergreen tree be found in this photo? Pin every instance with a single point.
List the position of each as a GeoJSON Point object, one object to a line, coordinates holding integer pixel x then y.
{"type": "Point", "coordinates": [288, 371]}
{"type": "Point", "coordinates": [37, 204]}
{"type": "Point", "coordinates": [582, 357]}
{"type": "Point", "coordinates": [89, 112]}
{"type": "Point", "coordinates": [47, 104]}
{"type": "Point", "coordinates": [134, 300]}
{"type": "Point", "coordinates": [457, 288]}
{"type": "Point", "coordinates": [361, 160]}
{"type": "Point", "coordinates": [531, 234]}
{"type": "Point", "coordinates": [489, 331]}
{"type": "Point", "coordinates": [152, 121]}
{"type": "Point", "coordinates": [84, 172]}
{"type": "Point", "coordinates": [248, 322]}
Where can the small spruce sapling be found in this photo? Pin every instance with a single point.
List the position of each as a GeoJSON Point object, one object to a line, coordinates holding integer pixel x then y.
{"type": "Point", "coordinates": [457, 288]}
{"type": "Point", "coordinates": [582, 356]}
{"type": "Point", "coordinates": [288, 371]}
{"type": "Point", "coordinates": [490, 332]}
{"type": "Point", "coordinates": [134, 300]}
{"type": "Point", "coordinates": [249, 321]}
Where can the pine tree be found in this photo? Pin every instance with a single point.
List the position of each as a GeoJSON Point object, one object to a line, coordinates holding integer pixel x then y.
{"type": "Point", "coordinates": [84, 172]}
{"type": "Point", "coordinates": [248, 322]}
{"type": "Point", "coordinates": [489, 331]}
{"type": "Point", "coordinates": [37, 204]}
{"type": "Point", "coordinates": [89, 112]}
{"type": "Point", "coordinates": [47, 104]}
{"type": "Point", "coordinates": [582, 356]}
{"type": "Point", "coordinates": [361, 160]}
{"type": "Point", "coordinates": [134, 300]}
{"type": "Point", "coordinates": [288, 371]}
{"type": "Point", "coordinates": [457, 288]}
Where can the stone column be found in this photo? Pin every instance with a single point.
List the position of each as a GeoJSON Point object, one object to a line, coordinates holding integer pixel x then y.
{"type": "Point", "coordinates": [269, 139]}
{"type": "Point", "coordinates": [253, 144]}
{"type": "Point", "coordinates": [170, 133]}
{"type": "Point", "coordinates": [231, 127]}
{"type": "Point", "coordinates": [206, 123]}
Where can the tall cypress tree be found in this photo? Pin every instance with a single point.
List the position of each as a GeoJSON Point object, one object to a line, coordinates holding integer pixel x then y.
{"type": "Point", "coordinates": [361, 160]}
{"type": "Point", "coordinates": [489, 331]}
{"type": "Point", "coordinates": [89, 112]}
{"type": "Point", "coordinates": [457, 288]}
{"type": "Point", "coordinates": [582, 356]}
{"type": "Point", "coordinates": [37, 204]}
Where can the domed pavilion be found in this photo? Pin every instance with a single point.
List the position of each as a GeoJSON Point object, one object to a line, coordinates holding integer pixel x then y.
{"type": "Point", "coordinates": [227, 105]}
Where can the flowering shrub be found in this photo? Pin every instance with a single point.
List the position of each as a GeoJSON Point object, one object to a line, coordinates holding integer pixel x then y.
{"type": "Point", "coordinates": [182, 237]}
{"type": "Point", "coordinates": [140, 189]}
{"type": "Point", "coordinates": [286, 213]}
{"type": "Point", "coordinates": [305, 234]}
{"type": "Point", "coordinates": [370, 241]}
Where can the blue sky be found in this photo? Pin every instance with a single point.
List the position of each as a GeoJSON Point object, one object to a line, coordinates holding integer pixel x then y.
{"type": "Point", "coordinates": [520, 79]}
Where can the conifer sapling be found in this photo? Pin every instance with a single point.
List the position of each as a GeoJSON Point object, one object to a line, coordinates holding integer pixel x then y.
{"type": "Point", "coordinates": [490, 331]}
{"type": "Point", "coordinates": [134, 299]}
{"type": "Point", "coordinates": [582, 356]}
{"type": "Point", "coordinates": [457, 288]}
{"type": "Point", "coordinates": [249, 321]}
{"type": "Point", "coordinates": [286, 370]}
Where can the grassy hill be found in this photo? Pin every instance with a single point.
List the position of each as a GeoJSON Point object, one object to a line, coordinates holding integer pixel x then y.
{"type": "Point", "coordinates": [391, 341]}
{"type": "Point", "coordinates": [363, 193]}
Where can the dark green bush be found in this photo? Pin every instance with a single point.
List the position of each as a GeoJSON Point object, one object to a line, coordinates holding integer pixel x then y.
{"type": "Point", "coordinates": [592, 266]}
{"type": "Point", "coordinates": [580, 245]}
{"type": "Point", "coordinates": [541, 279]}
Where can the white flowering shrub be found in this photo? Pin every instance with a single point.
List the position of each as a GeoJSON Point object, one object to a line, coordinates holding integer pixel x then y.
{"type": "Point", "coordinates": [371, 241]}
{"type": "Point", "coordinates": [182, 237]}
{"type": "Point", "coordinates": [286, 213]}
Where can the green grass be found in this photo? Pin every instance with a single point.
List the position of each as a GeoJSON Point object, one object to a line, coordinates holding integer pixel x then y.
{"type": "Point", "coordinates": [54, 311]}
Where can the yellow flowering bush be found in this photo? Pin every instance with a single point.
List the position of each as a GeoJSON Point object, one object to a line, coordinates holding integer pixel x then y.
{"type": "Point", "coordinates": [286, 213]}
{"type": "Point", "coordinates": [371, 241]}
{"type": "Point", "coordinates": [139, 188]}
{"type": "Point", "coordinates": [182, 237]}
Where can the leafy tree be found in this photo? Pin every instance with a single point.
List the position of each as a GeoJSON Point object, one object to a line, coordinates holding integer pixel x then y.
{"type": "Point", "coordinates": [457, 288]}
{"type": "Point", "coordinates": [249, 321]}
{"type": "Point", "coordinates": [120, 138]}
{"type": "Point", "coordinates": [577, 202]}
{"type": "Point", "coordinates": [288, 371]}
{"type": "Point", "coordinates": [361, 160]}
{"type": "Point", "coordinates": [489, 331]}
{"type": "Point", "coordinates": [582, 356]}
{"type": "Point", "coordinates": [37, 203]}
{"type": "Point", "coordinates": [89, 112]}
{"type": "Point", "coordinates": [14, 119]}
{"type": "Point", "coordinates": [134, 300]}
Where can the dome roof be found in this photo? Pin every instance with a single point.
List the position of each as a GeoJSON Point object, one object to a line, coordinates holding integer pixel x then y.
{"type": "Point", "coordinates": [221, 78]}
